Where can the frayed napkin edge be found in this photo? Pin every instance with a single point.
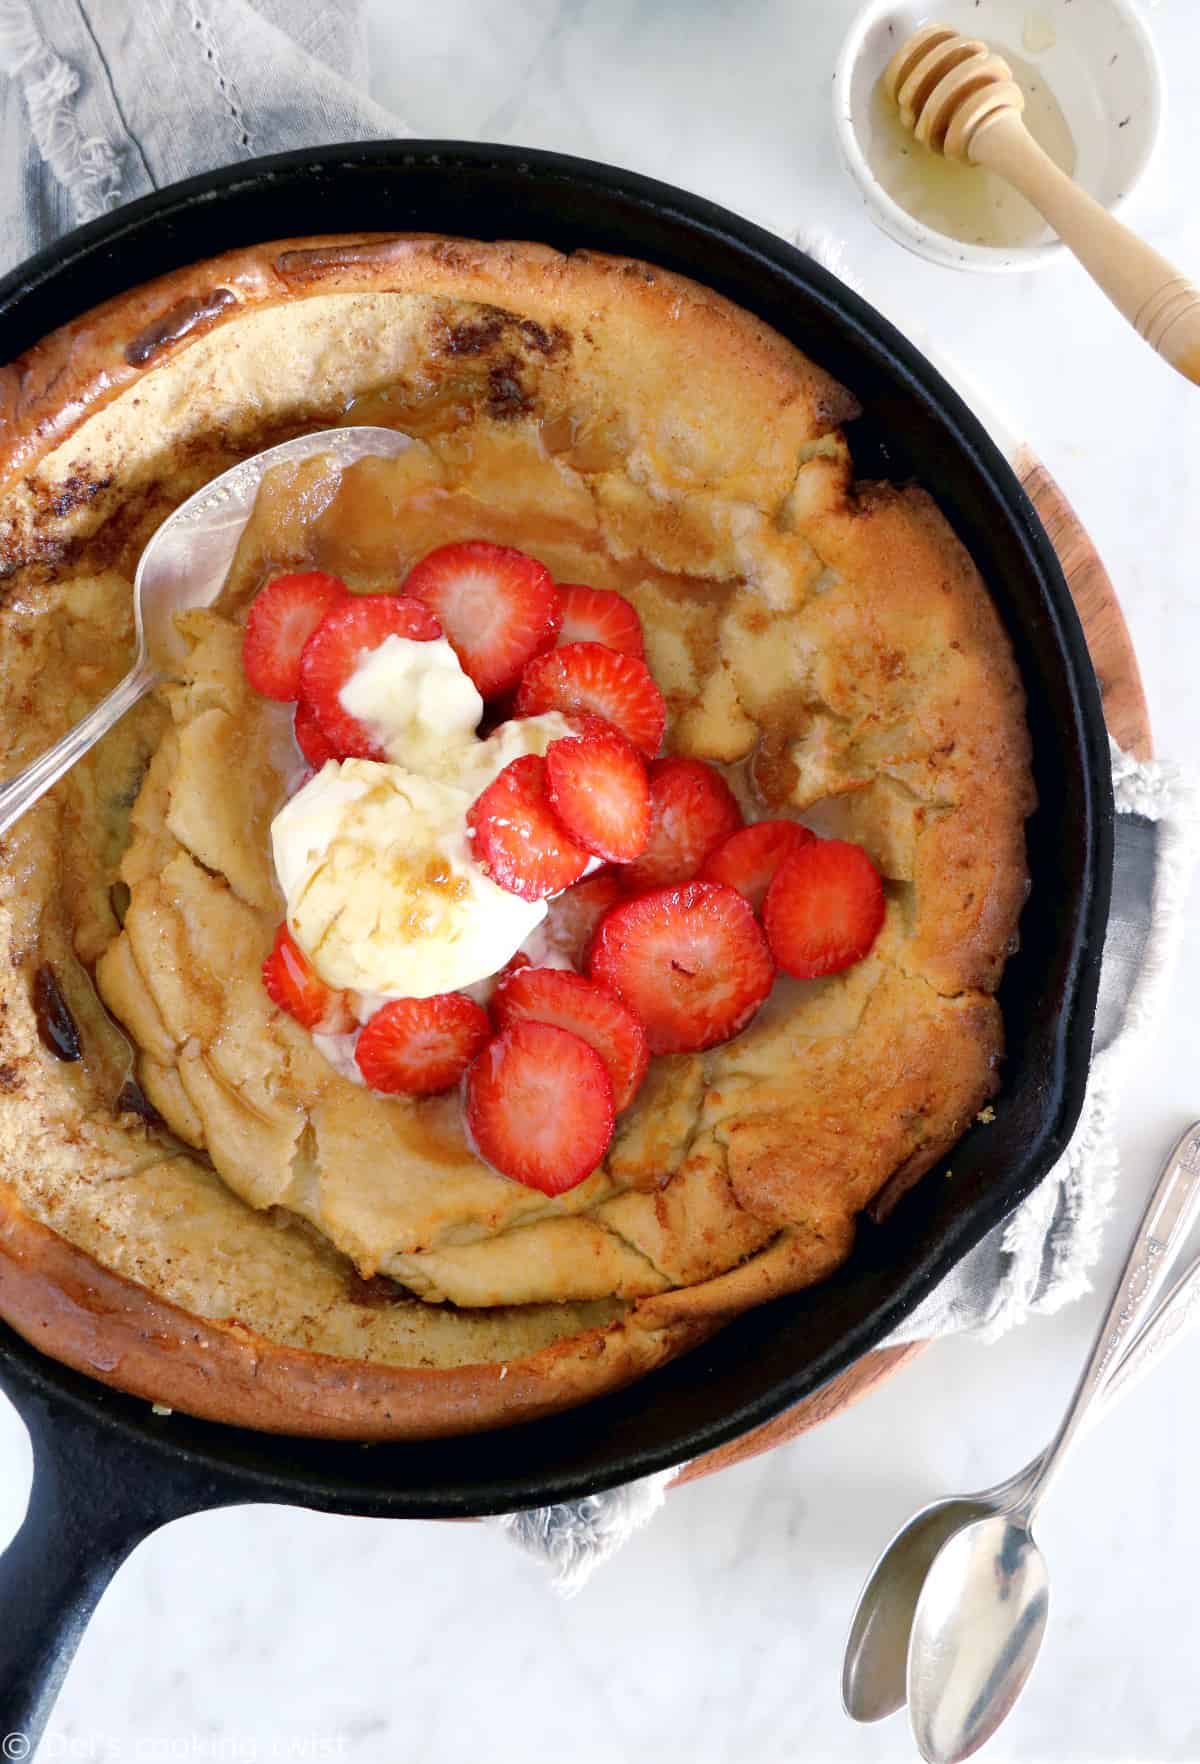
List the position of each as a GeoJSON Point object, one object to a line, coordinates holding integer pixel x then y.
{"type": "Point", "coordinates": [575, 1537]}
{"type": "Point", "coordinates": [86, 166]}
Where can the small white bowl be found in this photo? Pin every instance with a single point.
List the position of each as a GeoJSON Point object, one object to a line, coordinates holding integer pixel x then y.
{"type": "Point", "coordinates": [1099, 62]}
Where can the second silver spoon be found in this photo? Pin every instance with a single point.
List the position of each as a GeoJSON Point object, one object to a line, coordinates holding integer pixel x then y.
{"type": "Point", "coordinates": [876, 1659]}
{"type": "Point", "coordinates": [983, 1607]}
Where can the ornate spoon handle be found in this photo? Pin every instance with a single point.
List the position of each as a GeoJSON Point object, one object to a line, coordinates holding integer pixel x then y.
{"type": "Point", "coordinates": [1172, 1318]}
{"type": "Point", "coordinates": [1171, 1210]}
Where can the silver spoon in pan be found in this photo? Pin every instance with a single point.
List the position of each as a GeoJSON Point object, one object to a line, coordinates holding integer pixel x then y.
{"type": "Point", "coordinates": [183, 567]}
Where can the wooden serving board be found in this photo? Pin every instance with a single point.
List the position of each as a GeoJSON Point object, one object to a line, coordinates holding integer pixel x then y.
{"type": "Point", "coordinates": [1128, 720]}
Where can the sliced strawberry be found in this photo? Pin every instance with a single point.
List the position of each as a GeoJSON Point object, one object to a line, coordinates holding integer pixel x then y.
{"type": "Point", "coordinates": [291, 984]}
{"type": "Point", "coordinates": [518, 838]}
{"type": "Point", "coordinates": [596, 1015]}
{"type": "Point", "coordinates": [598, 786]}
{"type": "Point", "coordinates": [283, 616]}
{"type": "Point", "coordinates": [310, 737]}
{"type": "Point", "coordinates": [540, 1106]}
{"type": "Point", "coordinates": [691, 963]}
{"type": "Point", "coordinates": [337, 646]}
{"type": "Point", "coordinates": [749, 858]}
{"type": "Point", "coordinates": [597, 615]}
{"type": "Point", "coordinates": [692, 810]}
{"type": "Point", "coordinates": [420, 1045]}
{"type": "Point", "coordinates": [572, 916]}
{"type": "Point", "coordinates": [497, 607]}
{"type": "Point", "coordinates": [584, 679]}
{"type": "Point", "coordinates": [824, 908]}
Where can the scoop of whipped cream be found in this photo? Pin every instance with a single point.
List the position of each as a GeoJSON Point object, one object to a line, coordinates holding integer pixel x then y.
{"type": "Point", "coordinates": [383, 893]}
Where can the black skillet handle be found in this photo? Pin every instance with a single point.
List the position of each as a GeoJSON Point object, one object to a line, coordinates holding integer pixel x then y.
{"type": "Point", "coordinates": [93, 1499]}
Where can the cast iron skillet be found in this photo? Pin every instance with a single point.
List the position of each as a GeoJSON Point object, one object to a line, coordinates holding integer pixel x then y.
{"type": "Point", "coordinates": [107, 1470]}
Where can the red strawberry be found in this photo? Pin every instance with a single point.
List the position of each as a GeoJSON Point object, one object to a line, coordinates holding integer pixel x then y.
{"type": "Point", "coordinates": [310, 737]}
{"type": "Point", "coordinates": [497, 607]}
{"type": "Point", "coordinates": [344, 636]}
{"type": "Point", "coordinates": [749, 858]}
{"type": "Point", "coordinates": [573, 915]}
{"type": "Point", "coordinates": [292, 985]}
{"type": "Point", "coordinates": [283, 616]}
{"type": "Point", "coordinates": [540, 1106]}
{"type": "Point", "coordinates": [692, 810]}
{"type": "Point", "coordinates": [597, 615]}
{"type": "Point", "coordinates": [518, 838]}
{"type": "Point", "coordinates": [824, 908]}
{"type": "Point", "coordinates": [597, 1016]}
{"type": "Point", "coordinates": [598, 786]}
{"type": "Point", "coordinates": [691, 963]}
{"type": "Point", "coordinates": [420, 1045]}
{"type": "Point", "coordinates": [584, 679]}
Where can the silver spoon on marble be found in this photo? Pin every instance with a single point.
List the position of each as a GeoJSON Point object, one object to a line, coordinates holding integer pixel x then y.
{"type": "Point", "coordinates": [876, 1659]}
{"type": "Point", "coordinates": [183, 567]}
{"type": "Point", "coordinates": [983, 1606]}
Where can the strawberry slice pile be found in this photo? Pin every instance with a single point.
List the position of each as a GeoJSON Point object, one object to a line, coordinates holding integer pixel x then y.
{"type": "Point", "coordinates": [692, 809]}
{"type": "Point", "coordinates": [675, 942]}
{"type": "Point", "coordinates": [539, 823]}
{"type": "Point", "coordinates": [346, 635]}
{"type": "Point", "coordinates": [586, 679]}
{"type": "Point", "coordinates": [749, 858]}
{"type": "Point", "coordinates": [282, 617]}
{"type": "Point", "coordinates": [518, 838]}
{"type": "Point", "coordinates": [498, 608]}
{"type": "Point", "coordinates": [305, 635]}
{"type": "Point", "coordinates": [597, 1016]}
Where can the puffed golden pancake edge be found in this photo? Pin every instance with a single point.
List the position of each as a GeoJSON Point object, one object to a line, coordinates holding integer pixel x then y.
{"type": "Point", "coordinates": [832, 642]}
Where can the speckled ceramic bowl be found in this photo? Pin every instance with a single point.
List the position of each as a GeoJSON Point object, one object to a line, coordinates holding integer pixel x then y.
{"type": "Point", "coordinates": [1097, 58]}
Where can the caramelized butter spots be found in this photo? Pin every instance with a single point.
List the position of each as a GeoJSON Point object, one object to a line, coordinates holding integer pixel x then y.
{"type": "Point", "coordinates": [56, 1026]}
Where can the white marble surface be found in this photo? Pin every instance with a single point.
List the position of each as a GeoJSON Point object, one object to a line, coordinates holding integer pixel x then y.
{"type": "Point", "coordinates": [716, 1636]}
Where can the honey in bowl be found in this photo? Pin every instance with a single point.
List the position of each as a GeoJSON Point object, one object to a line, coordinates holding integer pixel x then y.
{"type": "Point", "coordinates": [965, 201]}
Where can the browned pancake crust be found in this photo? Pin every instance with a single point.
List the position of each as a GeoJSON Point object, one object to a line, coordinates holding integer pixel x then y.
{"type": "Point", "coordinates": [682, 450]}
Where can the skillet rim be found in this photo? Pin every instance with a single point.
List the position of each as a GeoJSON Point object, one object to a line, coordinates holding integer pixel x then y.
{"type": "Point", "coordinates": [314, 1473]}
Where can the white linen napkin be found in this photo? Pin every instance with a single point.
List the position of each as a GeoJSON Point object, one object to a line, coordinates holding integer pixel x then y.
{"type": "Point", "coordinates": [105, 103]}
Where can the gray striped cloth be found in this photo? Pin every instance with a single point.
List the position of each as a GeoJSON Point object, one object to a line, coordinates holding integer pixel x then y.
{"type": "Point", "coordinates": [107, 100]}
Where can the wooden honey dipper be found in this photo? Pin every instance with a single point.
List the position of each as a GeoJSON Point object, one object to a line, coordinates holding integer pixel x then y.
{"type": "Point", "coordinates": [959, 98]}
